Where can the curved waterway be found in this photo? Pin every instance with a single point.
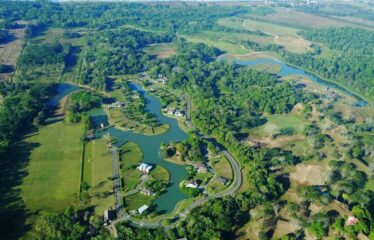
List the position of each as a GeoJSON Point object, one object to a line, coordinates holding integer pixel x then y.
{"type": "Point", "coordinates": [150, 146]}
{"type": "Point", "coordinates": [287, 70]}
{"type": "Point", "coordinates": [62, 90]}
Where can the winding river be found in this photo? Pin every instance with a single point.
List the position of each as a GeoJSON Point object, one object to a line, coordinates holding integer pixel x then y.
{"type": "Point", "coordinates": [287, 70]}
{"type": "Point", "coordinates": [150, 146]}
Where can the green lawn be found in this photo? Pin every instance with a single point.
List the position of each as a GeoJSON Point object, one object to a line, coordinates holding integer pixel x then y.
{"type": "Point", "coordinates": [54, 169]}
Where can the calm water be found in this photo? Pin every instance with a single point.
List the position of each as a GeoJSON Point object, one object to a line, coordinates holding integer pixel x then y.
{"type": "Point", "coordinates": [151, 148]}
{"type": "Point", "coordinates": [287, 70]}
{"type": "Point", "coordinates": [63, 89]}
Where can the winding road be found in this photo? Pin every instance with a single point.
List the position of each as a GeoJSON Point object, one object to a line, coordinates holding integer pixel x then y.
{"type": "Point", "coordinates": [230, 190]}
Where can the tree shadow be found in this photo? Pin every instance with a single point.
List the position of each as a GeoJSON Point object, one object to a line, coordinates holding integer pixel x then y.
{"type": "Point", "coordinates": [13, 170]}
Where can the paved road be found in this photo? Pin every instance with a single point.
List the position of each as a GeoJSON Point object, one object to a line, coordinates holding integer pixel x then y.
{"type": "Point", "coordinates": [235, 185]}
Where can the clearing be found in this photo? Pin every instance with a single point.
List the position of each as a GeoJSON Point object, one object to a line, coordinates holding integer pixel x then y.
{"type": "Point", "coordinates": [310, 174]}
{"type": "Point", "coordinates": [163, 50]}
{"type": "Point", "coordinates": [55, 167]}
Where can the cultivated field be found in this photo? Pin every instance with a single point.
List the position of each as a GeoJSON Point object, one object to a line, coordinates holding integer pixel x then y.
{"type": "Point", "coordinates": [54, 169]}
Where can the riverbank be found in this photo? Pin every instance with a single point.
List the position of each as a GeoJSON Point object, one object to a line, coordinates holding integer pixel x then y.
{"type": "Point", "coordinates": [268, 55]}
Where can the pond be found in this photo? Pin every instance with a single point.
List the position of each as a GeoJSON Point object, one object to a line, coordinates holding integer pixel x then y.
{"type": "Point", "coordinates": [150, 146]}
{"type": "Point", "coordinates": [287, 70]}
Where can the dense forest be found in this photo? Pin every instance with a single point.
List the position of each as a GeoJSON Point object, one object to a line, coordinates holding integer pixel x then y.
{"type": "Point", "coordinates": [345, 68]}
{"type": "Point", "coordinates": [116, 52]}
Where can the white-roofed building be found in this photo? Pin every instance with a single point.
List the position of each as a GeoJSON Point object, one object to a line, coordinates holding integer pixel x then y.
{"type": "Point", "coordinates": [142, 209]}
{"type": "Point", "coordinates": [145, 168]}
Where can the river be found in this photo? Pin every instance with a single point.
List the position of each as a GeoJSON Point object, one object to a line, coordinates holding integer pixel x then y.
{"type": "Point", "coordinates": [287, 70]}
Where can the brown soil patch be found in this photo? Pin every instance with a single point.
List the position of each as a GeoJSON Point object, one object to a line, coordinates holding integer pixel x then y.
{"type": "Point", "coordinates": [309, 174]}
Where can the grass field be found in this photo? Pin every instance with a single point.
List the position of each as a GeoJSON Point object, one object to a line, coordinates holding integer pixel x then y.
{"type": "Point", "coordinates": [279, 121]}
{"type": "Point", "coordinates": [54, 169]}
{"type": "Point", "coordinates": [101, 171]}
{"type": "Point", "coordinates": [130, 157]}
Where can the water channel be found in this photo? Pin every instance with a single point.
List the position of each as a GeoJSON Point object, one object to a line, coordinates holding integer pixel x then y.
{"type": "Point", "coordinates": [150, 146]}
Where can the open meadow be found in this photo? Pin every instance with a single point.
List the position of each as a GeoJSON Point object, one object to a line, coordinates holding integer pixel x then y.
{"type": "Point", "coordinates": [54, 169]}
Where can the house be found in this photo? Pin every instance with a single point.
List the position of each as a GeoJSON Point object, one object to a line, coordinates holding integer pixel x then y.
{"type": "Point", "coordinates": [178, 113]}
{"type": "Point", "coordinates": [148, 192]}
{"type": "Point", "coordinates": [90, 134]}
{"type": "Point", "coordinates": [192, 184]}
{"type": "Point", "coordinates": [145, 168]}
{"type": "Point", "coordinates": [142, 209]}
{"type": "Point", "coordinates": [200, 167]}
{"type": "Point", "coordinates": [170, 111]}
{"type": "Point", "coordinates": [222, 180]}
{"type": "Point", "coordinates": [116, 105]}
{"type": "Point", "coordinates": [351, 221]}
